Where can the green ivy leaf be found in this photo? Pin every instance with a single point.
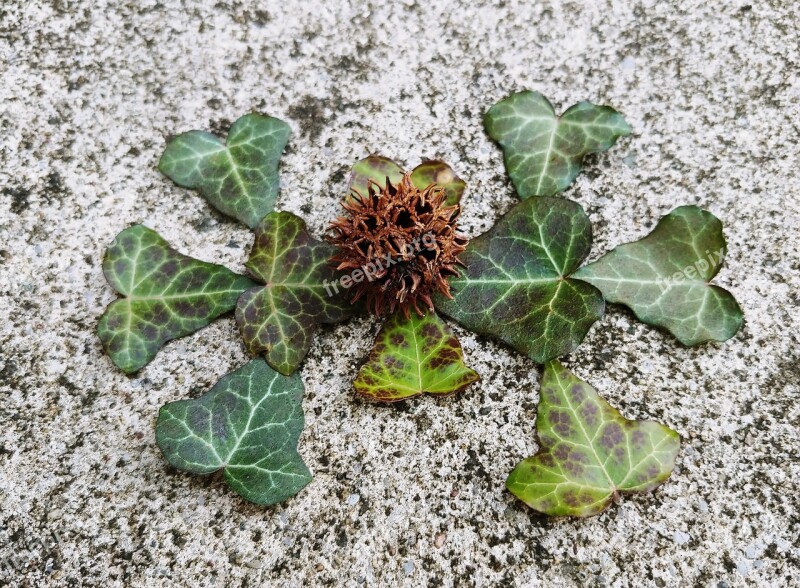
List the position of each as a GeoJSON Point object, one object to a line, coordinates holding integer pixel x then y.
{"type": "Point", "coordinates": [248, 425]}
{"type": "Point", "coordinates": [167, 295]}
{"type": "Point", "coordinates": [589, 452]}
{"type": "Point", "coordinates": [239, 179]}
{"type": "Point", "coordinates": [543, 152]}
{"type": "Point", "coordinates": [516, 285]}
{"type": "Point", "coordinates": [279, 318]}
{"type": "Point", "coordinates": [377, 168]}
{"type": "Point", "coordinates": [664, 278]}
{"type": "Point", "coordinates": [411, 356]}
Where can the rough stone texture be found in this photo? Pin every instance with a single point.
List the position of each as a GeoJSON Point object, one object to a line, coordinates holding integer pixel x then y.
{"type": "Point", "coordinates": [404, 495]}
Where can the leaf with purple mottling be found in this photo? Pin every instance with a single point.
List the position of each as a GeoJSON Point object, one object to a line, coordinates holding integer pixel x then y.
{"type": "Point", "coordinates": [589, 453]}
{"type": "Point", "coordinates": [518, 285]}
{"type": "Point", "coordinates": [280, 317]}
{"type": "Point", "coordinates": [412, 356]}
{"type": "Point", "coordinates": [166, 295]}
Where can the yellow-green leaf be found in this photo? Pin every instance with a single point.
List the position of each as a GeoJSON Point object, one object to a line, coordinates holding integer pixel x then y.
{"type": "Point", "coordinates": [589, 453]}
{"type": "Point", "coordinates": [377, 168]}
{"type": "Point", "coordinates": [414, 355]}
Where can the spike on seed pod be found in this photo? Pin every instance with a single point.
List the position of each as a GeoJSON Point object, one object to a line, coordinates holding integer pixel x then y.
{"type": "Point", "coordinates": [404, 242]}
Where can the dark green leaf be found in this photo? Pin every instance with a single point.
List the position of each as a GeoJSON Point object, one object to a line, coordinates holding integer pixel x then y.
{"type": "Point", "coordinates": [299, 292]}
{"type": "Point", "coordinates": [411, 356]}
{"type": "Point", "coordinates": [543, 152]}
{"type": "Point", "coordinates": [239, 179]}
{"type": "Point", "coordinates": [248, 425]}
{"type": "Point", "coordinates": [664, 278]}
{"type": "Point", "coordinates": [589, 453]}
{"type": "Point", "coordinates": [167, 295]}
{"type": "Point", "coordinates": [516, 283]}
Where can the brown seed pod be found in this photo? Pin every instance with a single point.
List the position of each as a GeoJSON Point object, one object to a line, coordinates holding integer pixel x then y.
{"type": "Point", "coordinates": [401, 241]}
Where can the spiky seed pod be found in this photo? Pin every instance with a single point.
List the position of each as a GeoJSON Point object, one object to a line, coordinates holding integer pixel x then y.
{"type": "Point", "coordinates": [404, 242]}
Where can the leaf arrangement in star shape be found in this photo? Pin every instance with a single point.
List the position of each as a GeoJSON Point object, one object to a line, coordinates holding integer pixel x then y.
{"type": "Point", "coordinates": [521, 283]}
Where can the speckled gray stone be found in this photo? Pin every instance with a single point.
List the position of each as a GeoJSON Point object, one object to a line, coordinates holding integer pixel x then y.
{"type": "Point", "coordinates": [90, 91]}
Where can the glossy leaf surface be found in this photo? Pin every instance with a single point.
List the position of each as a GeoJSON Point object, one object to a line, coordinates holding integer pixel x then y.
{"type": "Point", "coordinates": [239, 178]}
{"type": "Point", "coordinates": [439, 173]}
{"type": "Point", "coordinates": [516, 285]}
{"type": "Point", "coordinates": [543, 152]}
{"type": "Point", "coordinates": [377, 168]}
{"type": "Point", "coordinates": [299, 292]}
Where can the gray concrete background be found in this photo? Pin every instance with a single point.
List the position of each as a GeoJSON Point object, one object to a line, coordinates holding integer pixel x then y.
{"type": "Point", "coordinates": [407, 495]}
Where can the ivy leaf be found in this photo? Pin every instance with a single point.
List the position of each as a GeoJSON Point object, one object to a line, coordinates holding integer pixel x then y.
{"type": "Point", "coordinates": [300, 291]}
{"type": "Point", "coordinates": [516, 285]}
{"type": "Point", "coordinates": [414, 355]}
{"type": "Point", "coordinates": [439, 173]}
{"type": "Point", "coordinates": [543, 152]}
{"type": "Point", "coordinates": [239, 179]}
{"type": "Point", "coordinates": [377, 168]}
{"type": "Point", "coordinates": [167, 295]}
{"type": "Point", "coordinates": [248, 425]}
{"type": "Point", "coordinates": [664, 278]}
{"type": "Point", "coordinates": [589, 452]}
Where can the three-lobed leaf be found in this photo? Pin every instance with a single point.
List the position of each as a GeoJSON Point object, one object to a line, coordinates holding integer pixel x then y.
{"type": "Point", "coordinates": [376, 168]}
{"type": "Point", "coordinates": [240, 177]}
{"type": "Point", "coordinates": [543, 152]}
{"type": "Point", "coordinates": [589, 453]}
{"type": "Point", "coordinates": [517, 286]}
{"type": "Point", "coordinates": [664, 278]}
{"type": "Point", "coordinates": [299, 292]}
{"type": "Point", "coordinates": [166, 295]}
{"type": "Point", "coordinates": [248, 425]}
{"type": "Point", "coordinates": [414, 355]}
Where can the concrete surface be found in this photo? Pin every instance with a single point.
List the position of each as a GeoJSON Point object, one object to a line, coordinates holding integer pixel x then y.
{"type": "Point", "coordinates": [409, 495]}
